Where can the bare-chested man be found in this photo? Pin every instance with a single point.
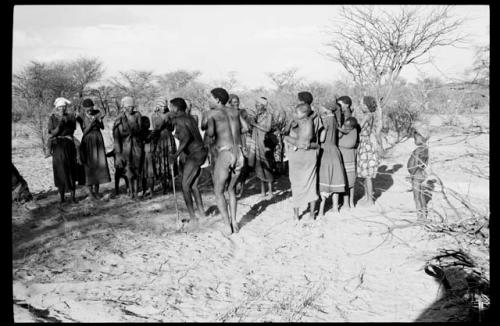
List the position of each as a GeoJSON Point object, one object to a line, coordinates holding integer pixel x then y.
{"type": "Point", "coordinates": [226, 125]}
{"type": "Point", "coordinates": [194, 152]}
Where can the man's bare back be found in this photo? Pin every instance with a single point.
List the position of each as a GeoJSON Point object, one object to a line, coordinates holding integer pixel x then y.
{"type": "Point", "coordinates": [226, 128]}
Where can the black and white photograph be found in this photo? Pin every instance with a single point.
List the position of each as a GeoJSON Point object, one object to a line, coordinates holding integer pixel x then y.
{"type": "Point", "coordinates": [250, 163]}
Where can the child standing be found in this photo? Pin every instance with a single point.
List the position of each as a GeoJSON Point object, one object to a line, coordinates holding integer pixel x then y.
{"type": "Point", "coordinates": [416, 167]}
{"type": "Point", "coordinates": [347, 144]}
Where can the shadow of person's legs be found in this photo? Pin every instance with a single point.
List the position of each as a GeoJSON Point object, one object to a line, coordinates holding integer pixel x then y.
{"type": "Point", "coordinates": [281, 187]}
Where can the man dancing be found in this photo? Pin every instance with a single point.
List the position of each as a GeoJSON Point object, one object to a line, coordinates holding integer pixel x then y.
{"type": "Point", "coordinates": [225, 126]}
{"type": "Point", "coordinates": [194, 153]}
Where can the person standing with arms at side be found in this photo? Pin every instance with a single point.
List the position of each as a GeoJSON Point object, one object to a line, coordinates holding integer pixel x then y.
{"type": "Point", "coordinates": [61, 128]}
{"type": "Point", "coordinates": [130, 149]}
{"type": "Point", "coordinates": [368, 160]}
{"type": "Point", "coordinates": [225, 127]}
{"type": "Point", "coordinates": [258, 156]}
{"type": "Point", "coordinates": [92, 150]}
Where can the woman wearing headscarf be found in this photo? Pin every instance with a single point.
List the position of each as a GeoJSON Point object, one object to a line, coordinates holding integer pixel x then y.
{"type": "Point", "coordinates": [128, 143]}
{"type": "Point", "coordinates": [163, 141]}
{"type": "Point", "coordinates": [92, 150]}
{"type": "Point", "coordinates": [61, 128]}
{"type": "Point", "coordinates": [368, 160]}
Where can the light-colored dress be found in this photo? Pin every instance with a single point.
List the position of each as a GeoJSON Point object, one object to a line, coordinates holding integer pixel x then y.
{"type": "Point", "coordinates": [368, 160]}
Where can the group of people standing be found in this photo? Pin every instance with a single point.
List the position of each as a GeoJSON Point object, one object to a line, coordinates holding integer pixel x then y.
{"type": "Point", "coordinates": [326, 149]}
{"type": "Point", "coordinates": [77, 162]}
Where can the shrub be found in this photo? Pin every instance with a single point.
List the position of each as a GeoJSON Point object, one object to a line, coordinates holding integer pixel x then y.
{"type": "Point", "coordinates": [400, 118]}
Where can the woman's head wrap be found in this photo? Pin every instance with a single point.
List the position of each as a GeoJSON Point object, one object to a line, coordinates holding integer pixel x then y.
{"type": "Point", "coordinates": [128, 101]}
{"type": "Point", "coordinates": [233, 96]}
{"type": "Point", "coordinates": [61, 101]}
{"type": "Point", "coordinates": [161, 101]}
{"type": "Point", "coordinates": [262, 100]}
{"type": "Point", "coordinates": [370, 103]}
{"type": "Point", "coordinates": [87, 103]}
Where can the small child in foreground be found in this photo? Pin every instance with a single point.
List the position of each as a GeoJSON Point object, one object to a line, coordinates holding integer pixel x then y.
{"type": "Point", "coordinates": [416, 165]}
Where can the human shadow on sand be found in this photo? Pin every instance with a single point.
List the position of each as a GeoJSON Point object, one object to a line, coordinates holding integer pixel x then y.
{"type": "Point", "coordinates": [282, 191]}
{"type": "Point", "coordinates": [382, 182]}
{"type": "Point", "coordinates": [460, 287]}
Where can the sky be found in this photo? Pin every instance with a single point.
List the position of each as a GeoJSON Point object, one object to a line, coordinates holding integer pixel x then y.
{"type": "Point", "coordinates": [215, 39]}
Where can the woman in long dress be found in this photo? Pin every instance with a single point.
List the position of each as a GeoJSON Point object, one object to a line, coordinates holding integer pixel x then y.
{"type": "Point", "coordinates": [259, 155]}
{"type": "Point", "coordinates": [368, 160]}
{"type": "Point", "coordinates": [331, 170]}
{"type": "Point", "coordinates": [61, 128]}
{"type": "Point", "coordinates": [302, 161]}
{"type": "Point", "coordinates": [164, 143]}
{"type": "Point", "coordinates": [92, 150]}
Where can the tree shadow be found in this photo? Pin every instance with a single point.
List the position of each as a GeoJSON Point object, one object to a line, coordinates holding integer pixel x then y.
{"type": "Point", "coordinates": [284, 191]}
{"type": "Point", "coordinates": [460, 287]}
{"type": "Point", "coordinates": [53, 220]}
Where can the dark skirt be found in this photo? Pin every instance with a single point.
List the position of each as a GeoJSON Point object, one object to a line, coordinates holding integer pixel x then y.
{"type": "Point", "coordinates": [303, 176]}
{"type": "Point", "coordinates": [93, 155]}
{"type": "Point", "coordinates": [331, 171]}
{"type": "Point", "coordinates": [259, 157]}
{"type": "Point", "coordinates": [349, 159]}
{"type": "Point", "coordinates": [64, 163]}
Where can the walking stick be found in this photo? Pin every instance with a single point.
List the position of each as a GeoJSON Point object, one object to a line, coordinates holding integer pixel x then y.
{"type": "Point", "coordinates": [175, 198]}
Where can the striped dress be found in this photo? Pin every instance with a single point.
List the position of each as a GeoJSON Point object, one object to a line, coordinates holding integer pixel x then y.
{"type": "Point", "coordinates": [347, 146]}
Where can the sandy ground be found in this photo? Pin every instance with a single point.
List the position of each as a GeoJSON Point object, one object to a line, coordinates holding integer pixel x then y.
{"type": "Point", "coordinates": [117, 260]}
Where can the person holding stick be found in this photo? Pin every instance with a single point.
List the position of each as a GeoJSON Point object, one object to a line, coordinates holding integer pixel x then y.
{"type": "Point", "coordinates": [193, 149]}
